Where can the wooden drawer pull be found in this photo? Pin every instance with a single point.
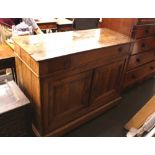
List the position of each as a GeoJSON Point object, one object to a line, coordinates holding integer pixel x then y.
{"type": "Point", "coordinates": [151, 67]}
{"type": "Point", "coordinates": [146, 31]}
{"type": "Point", "coordinates": [138, 60]}
{"type": "Point", "coordinates": [143, 45]}
{"type": "Point", "coordinates": [133, 76]}
{"type": "Point", "coordinates": [120, 49]}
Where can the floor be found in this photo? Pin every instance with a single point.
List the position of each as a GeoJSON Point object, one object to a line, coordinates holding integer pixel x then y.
{"type": "Point", "coordinates": [110, 124]}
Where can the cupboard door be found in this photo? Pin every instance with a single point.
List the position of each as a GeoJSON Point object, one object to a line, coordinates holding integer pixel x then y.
{"type": "Point", "coordinates": [106, 83]}
{"type": "Point", "coordinates": [67, 99]}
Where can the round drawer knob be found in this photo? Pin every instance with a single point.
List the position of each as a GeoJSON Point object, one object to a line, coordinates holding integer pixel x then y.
{"type": "Point", "coordinates": [146, 31]}
{"type": "Point", "coordinates": [143, 45]}
{"type": "Point", "coordinates": [133, 76]}
{"type": "Point", "coordinates": [120, 49]}
{"type": "Point", "coordinates": [138, 60]}
{"type": "Point", "coordinates": [151, 67]}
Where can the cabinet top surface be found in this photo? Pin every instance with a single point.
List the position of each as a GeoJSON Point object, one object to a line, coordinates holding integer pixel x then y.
{"type": "Point", "coordinates": [48, 46]}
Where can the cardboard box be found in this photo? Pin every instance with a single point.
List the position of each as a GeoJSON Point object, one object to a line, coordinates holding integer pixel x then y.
{"type": "Point", "coordinates": [139, 118]}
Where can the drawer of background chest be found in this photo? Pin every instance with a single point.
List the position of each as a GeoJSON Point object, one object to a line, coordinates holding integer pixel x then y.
{"type": "Point", "coordinates": [146, 21]}
{"type": "Point", "coordinates": [139, 74]}
{"type": "Point", "coordinates": [140, 59]}
{"type": "Point", "coordinates": [142, 45]}
{"type": "Point", "coordinates": [142, 31]}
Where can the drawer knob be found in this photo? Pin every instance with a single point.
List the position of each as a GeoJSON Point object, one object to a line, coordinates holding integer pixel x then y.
{"type": "Point", "coordinates": [151, 67]}
{"type": "Point", "coordinates": [120, 49]}
{"type": "Point", "coordinates": [146, 31]}
{"type": "Point", "coordinates": [143, 45]}
{"type": "Point", "coordinates": [138, 60]}
{"type": "Point", "coordinates": [133, 76]}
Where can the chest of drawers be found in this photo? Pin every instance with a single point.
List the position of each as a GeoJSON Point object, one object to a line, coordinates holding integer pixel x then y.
{"type": "Point", "coordinates": [142, 52]}
{"type": "Point", "coordinates": [141, 62]}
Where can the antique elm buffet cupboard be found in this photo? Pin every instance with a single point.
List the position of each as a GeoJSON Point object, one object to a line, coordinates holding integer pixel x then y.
{"type": "Point", "coordinates": [70, 77]}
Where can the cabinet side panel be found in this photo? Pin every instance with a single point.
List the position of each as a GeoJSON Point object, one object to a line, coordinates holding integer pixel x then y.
{"type": "Point", "coordinates": [30, 85]}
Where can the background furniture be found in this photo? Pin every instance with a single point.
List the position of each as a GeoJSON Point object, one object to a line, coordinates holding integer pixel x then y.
{"type": "Point", "coordinates": [47, 24]}
{"type": "Point", "coordinates": [55, 24]}
{"type": "Point", "coordinates": [14, 111]}
{"type": "Point", "coordinates": [141, 64]}
{"type": "Point", "coordinates": [85, 23]}
{"type": "Point", "coordinates": [64, 24]}
{"type": "Point", "coordinates": [75, 78]}
{"type": "Point", "coordinates": [7, 59]}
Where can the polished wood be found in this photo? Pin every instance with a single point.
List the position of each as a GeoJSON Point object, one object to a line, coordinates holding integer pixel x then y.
{"type": "Point", "coordinates": [128, 26]}
{"type": "Point", "coordinates": [70, 77]}
{"type": "Point", "coordinates": [39, 46]}
{"type": "Point", "coordinates": [103, 89]}
{"type": "Point", "coordinates": [6, 52]}
{"type": "Point", "coordinates": [142, 31]}
{"type": "Point", "coordinates": [7, 59]}
{"type": "Point", "coordinates": [142, 45]}
{"type": "Point", "coordinates": [122, 25]}
{"type": "Point", "coordinates": [139, 74]}
{"type": "Point", "coordinates": [140, 59]}
{"type": "Point", "coordinates": [146, 21]}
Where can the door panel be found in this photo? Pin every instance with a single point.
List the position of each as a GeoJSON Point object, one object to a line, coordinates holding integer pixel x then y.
{"type": "Point", "coordinates": [106, 83]}
{"type": "Point", "coordinates": [67, 98]}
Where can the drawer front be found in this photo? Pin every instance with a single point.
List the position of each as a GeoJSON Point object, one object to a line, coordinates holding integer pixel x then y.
{"type": "Point", "coordinates": [51, 66]}
{"type": "Point", "coordinates": [139, 74]}
{"type": "Point", "coordinates": [146, 21]}
{"type": "Point", "coordinates": [140, 59]}
{"type": "Point", "coordinates": [84, 59]}
{"type": "Point", "coordinates": [104, 55]}
{"type": "Point", "coordinates": [142, 45]}
{"type": "Point", "coordinates": [143, 31]}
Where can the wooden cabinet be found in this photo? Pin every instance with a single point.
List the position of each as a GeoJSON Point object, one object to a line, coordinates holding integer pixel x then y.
{"type": "Point", "coordinates": [73, 81]}
{"type": "Point", "coordinates": [142, 52]}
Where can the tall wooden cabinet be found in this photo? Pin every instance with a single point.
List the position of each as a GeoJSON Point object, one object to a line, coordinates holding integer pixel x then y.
{"type": "Point", "coordinates": [141, 63]}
